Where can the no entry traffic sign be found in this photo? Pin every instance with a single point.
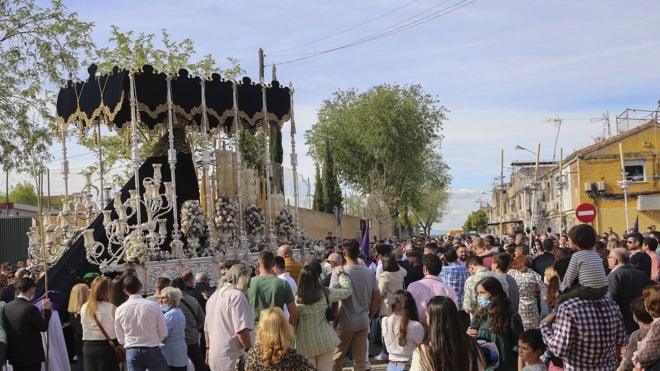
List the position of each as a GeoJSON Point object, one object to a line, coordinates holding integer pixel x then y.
{"type": "Point", "coordinates": [585, 212]}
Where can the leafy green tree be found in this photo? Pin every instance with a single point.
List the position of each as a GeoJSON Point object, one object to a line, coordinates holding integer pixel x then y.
{"type": "Point", "coordinates": [476, 221]}
{"type": "Point", "coordinates": [432, 209]}
{"type": "Point", "coordinates": [23, 193]}
{"type": "Point", "coordinates": [385, 142]}
{"type": "Point", "coordinates": [40, 43]}
{"type": "Point", "coordinates": [318, 191]}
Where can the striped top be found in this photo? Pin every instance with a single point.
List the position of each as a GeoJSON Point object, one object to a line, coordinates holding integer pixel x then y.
{"type": "Point", "coordinates": [587, 266]}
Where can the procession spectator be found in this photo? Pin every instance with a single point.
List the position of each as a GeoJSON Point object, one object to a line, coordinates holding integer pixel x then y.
{"type": "Point", "coordinates": [291, 265]}
{"type": "Point", "coordinates": [315, 337]}
{"type": "Point", "coordinates": [357, 310]}
{"type": "Point", "coordinates": [638, 258]}
{"type": "Point", "coordinates": [529, 285]}
{"type": "Point", "coordinates": [625, 283]}
{"type": "Point", "coordinates": [174, 346]}
{"type": "Point", "coordinates": [431, 285]}
{"type": "Point", "coordinates": [267, 291]}
{"type": "Point", "coordinates": [402, 332]}
{"type": "Point", "coordinates": [477, 273]}
{"type": "Point", "coordinates": [140, 328]}
{"type": "Point", "coordinates": [649, 246]}
{"type": "Point", "coordinates": [195, 318]}
{"type": "Point", "coordinates": [389, 282]}
{"type": "Point", "coordinates": [98, 354]}
{"type": "Point", "coordinates": [501, 267]}
{"type": "Point", "coordinates": [643, 319]}
{"type": "Point", "coordinates": [647, 355]}
{"type": "Point", "coordinates": [455, 274]}
{"type": "Point", "coordinates": [229, 324]}
{"type": "Point", "coordinates": [496, 322]}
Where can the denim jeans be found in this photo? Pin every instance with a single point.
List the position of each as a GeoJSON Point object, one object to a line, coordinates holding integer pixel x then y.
{"type": "Point", "coordinates": [143, 358]}
{"type": "Point", "coordinates": [399, 366]}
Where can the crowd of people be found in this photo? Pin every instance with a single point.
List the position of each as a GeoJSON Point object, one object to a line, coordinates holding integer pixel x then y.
{"type": "Point", "coordinates": [575, 301]}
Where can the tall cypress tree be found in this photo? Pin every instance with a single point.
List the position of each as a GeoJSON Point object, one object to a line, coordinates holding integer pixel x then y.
{"type": "Point", "coordinates": [317, 204]}
{"type": "Point", "coordinates": [332, 190]}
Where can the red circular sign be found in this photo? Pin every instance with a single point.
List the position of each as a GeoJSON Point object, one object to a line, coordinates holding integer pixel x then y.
{"type": "Point", "coordinates": [586, 212]}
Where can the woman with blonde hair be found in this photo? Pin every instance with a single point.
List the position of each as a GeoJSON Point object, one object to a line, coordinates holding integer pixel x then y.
{"type": "Point", "coordinates": [98, 354]}
{"type": "Point", "coordinates": [78, 297]}
{"type": "Point", "coordinates": [274, 350]}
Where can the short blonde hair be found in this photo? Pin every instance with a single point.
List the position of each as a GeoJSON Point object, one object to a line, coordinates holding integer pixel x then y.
{"type": "Point", "coordinates": [274, 335]}
{"type": "Point", "coordinates": [78, 297]}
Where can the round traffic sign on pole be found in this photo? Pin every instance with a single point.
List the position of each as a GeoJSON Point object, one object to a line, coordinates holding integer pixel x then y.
{"type": "Point", "coordinates": [585, 212]}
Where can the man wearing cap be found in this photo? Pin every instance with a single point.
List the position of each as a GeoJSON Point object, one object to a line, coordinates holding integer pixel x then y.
{"type": "Point", "coordinates": [89, 277]}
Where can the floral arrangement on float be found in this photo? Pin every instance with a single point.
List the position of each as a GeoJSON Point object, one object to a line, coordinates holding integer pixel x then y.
{"type": "Point", "coordinates": [284, 225]}
{"type": "Point", "coordinates": [255, 223]}
{"type": "Point", "coordinates": [226, 215]}
{"type": "Point", "coordinates": [135, 251]}
{"type": "Point", "coordinates": [193, 226]}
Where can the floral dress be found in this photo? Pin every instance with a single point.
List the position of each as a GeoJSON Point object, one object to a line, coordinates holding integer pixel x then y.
{"type": "Point", "coordinates": [530, 284]}
{"type": "Point", "coordinates": [292, 360]}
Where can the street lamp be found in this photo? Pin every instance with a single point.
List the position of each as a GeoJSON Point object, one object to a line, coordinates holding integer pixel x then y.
{"type": "Point", "coordinates": [521, 148]}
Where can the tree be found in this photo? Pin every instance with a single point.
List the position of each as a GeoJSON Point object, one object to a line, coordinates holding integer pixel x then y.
{"type": "Point", "coordinates": [332, 196]}
{"type": "Point", "coordinates": [23, 193]}
{"type": "Point", "coordinates": [39, 45]}
{"type": "Point", "coordinates": [476, 221]}
{"type": "Point", "coordinates": [432, 209]}
{"type": "Point", "coordinates": [132, 51]}
{"type": "Point", "coordinates": [384, 142]}
{"type": "Point", "coordinates": [318, 191]}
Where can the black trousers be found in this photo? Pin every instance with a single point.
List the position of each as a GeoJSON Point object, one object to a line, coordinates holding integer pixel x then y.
{"type": "Point", "coordinates": [196, 357]}
{"type": "Point", "coordinates": [98, 355]}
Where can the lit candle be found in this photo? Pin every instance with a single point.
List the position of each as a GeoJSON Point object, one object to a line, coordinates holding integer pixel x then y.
{"type": "Point", "coordinates": [88, 178]}
{"type": "Point", "coordinates": [623, 167]}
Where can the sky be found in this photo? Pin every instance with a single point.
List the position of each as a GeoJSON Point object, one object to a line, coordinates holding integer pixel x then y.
{"type": "Point", "coordinates": [508, 71]}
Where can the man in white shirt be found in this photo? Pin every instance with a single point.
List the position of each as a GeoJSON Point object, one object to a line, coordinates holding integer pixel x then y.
{"type": "Point", "coordinates": [278, 268]}
{"type": "Point", "coordinates": [140, 328]}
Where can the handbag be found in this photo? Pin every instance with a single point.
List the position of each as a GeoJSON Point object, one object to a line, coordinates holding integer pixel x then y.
{"type": "Point", "coordinates": [329, 312]}
{"type": "Point", "coordinates": [120, 352]}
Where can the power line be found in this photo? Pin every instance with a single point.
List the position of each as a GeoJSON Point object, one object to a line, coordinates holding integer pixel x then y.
{"type": "Point", "coordinates": [404, 25]}
{"type": "Point", "coordinates": [276, 53]}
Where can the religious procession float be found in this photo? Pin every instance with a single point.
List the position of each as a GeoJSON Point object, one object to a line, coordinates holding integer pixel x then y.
{"type": "Point", "coordinates": [202, 195]}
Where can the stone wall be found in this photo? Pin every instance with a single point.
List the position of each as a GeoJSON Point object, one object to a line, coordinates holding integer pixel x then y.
{"type": "Point", "coordinates": [318, 224]}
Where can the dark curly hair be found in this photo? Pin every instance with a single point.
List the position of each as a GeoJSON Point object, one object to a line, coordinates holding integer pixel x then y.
{"type": "Point", "coordinates": [500, 309]}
